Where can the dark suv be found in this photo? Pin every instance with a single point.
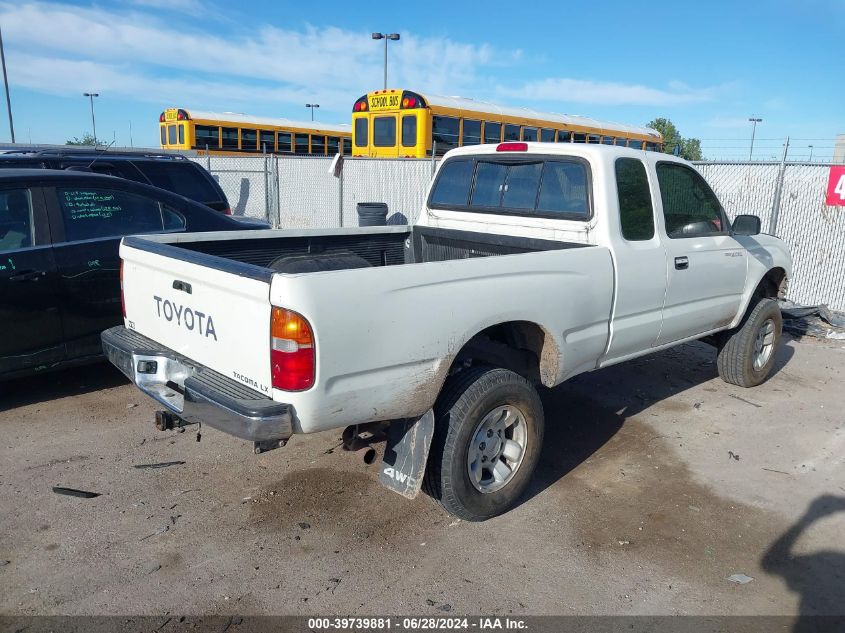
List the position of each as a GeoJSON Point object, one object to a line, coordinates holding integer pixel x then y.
{"type": "Point", "coordinates": [170, 172]}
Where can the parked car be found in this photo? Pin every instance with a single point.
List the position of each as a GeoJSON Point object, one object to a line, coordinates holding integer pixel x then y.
{"type": "Point", "coordinates": [172, 172]}
{"type": "Point", "coordinates": [59, 238]}
{"type": "Point", "coordinates": [530, 264]}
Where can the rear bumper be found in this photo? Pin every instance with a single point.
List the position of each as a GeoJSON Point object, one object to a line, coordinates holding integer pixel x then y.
{"type": "Point", "coordinates": [194, 392]}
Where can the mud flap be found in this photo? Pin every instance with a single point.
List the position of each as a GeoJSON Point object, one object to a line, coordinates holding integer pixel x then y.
{"type": "Point", "coordinates": [406, 453]}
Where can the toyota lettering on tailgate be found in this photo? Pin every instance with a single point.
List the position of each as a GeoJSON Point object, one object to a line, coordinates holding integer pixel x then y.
{"type": "Point", "coordinates": [192, 320]}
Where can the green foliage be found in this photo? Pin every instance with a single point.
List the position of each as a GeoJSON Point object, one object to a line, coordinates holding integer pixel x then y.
{"type": "Point", "coordinates": [690, 147]}
{"type": "Point", "coordinates": [87, 139]}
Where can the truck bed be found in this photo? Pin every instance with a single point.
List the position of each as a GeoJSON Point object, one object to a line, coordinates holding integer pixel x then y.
{"type": "Point", "coordinates": [387, 246]}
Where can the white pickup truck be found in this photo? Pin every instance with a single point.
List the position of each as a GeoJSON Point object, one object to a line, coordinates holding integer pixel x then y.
{"type": "Point", "coordinates": [529, 264]}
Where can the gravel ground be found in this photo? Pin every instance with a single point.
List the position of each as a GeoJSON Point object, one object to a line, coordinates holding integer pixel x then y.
{"type": "Point", "coordinates": [657, 483]}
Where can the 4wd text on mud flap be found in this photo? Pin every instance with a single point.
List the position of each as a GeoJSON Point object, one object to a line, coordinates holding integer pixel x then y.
{"type": "Point", "coordinates": [193, 320]}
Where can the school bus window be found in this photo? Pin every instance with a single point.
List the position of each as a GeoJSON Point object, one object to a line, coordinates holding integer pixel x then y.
{"type": "Point", "coordinates": [472, 132]}
{"type": "Point", "coordinates": [230, 137]}
{"type": "Point", "coordinates": [607, 140]}
{"type": "Point", "coordinates": [333, 145]}
{"type": "Point", "coordinates": [266, 141]}
{"type": "Point", "coordinates": [579, 138]}
{"type": "Point", "coordinates": [181, 134]}
{"type": "Point", "coordinates": [492, 132]}
{"type": "Point", "coordinates": [444, 132]}
{"type": "Point", "coordinates": [163, 135]}
{"type": "Point", "coordinates": [300, 143]}
{"type": "Point", "coordinates": [529, 134]}
{"type": "Point", "coordinates": [318, 144]}
{"type": "Point", "coordinates": [206, 135]}
{"type": "Point", "coordinates": [361, 132]}
{"type": "Point", "coordinates": [409, 130]}
{"type": "Point", "coordinates": [564, 136]}
{"type": "Point", "coordinates": [285, 139]}
{"type": "Point", "coordinates": [547, 135]}
{"type": "Point", "coordinates": [249, 139]}
{"type": "Point", "coordinates": [511, 132]}
{"type": "Point", "coordinates": [171, 134]}
{"type": "Point", "coordinates": [347, 146]}
{"type": "Point", "coordinates": [635, 143]}
{"type": "Point", "coordinates": [620, 142]}
{"type": "Point", "coordinates": [651, 147]}
{"type": "Point", "coordinates": [384, 131]}
{"type": "Point", "coordinates": [593, 138]}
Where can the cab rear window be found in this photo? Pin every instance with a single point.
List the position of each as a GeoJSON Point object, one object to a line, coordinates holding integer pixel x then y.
{"type": "Point", "coordinates": [547, 187]}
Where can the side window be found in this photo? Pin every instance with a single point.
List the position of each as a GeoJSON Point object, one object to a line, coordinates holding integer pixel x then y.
{"type": "Point", "coordinates": [472, 132]}
{"type": "Point", "coordinates": [444, 131]}
{"type": "Point", "coordinates": [171, 135]}
{"type": "Point", "coordinates": [689, 206]}
{"type": "Point", "coordinates": [206, 135]}
{"type": "Point", "coordinates": [16, 226]}
{"type": "Point", "coordinates": [230, 137]}
{"type": "Point", "coordinates": [453, 183]}
{"type": "Point", "coordinates": [577, 137]}
{"type": "Point", "coordinates": [249, 139]}
{"type": "Point", "coordinates": [181, 134]}
{"type": "Point", "coordinates": [547, 135]}
{"type": "Point", "coordinates": [318, 144]}
{"type": "Point", "coordinates": [529, 134]}
{"type": "Point", "coordinates": [409, 130]}
{"type": "Point", "coordinates": [266, 141]}
{"type": "Point", "coordinates": [333, 145]}
{"type": "Point", "coordinates": [300, 143]}
{"type": "Point", "coordinates": [347, 146]}
{"type": "Point", "coordinates": [564, 189]}
{"type": "Point", "coordinates": [163, 136]}
{"type": "Point", "coordinates": [91, 212]}
{"type": "Point", "coordinates": [492, 132]}
{"type": "Point", "coordinates": [511, 132]}
{"type": "Point", "coordinates": [384, 131]}
{"type": "Point", "coordinates": [636, 214]}
{"type": "Point", "coordinates": [285, 139]}
{"type": "Point", "coordinates": [361, 132]}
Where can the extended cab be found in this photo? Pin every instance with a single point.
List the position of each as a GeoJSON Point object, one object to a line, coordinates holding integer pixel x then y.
{"type": "Point", "coordinates": [529, 264]}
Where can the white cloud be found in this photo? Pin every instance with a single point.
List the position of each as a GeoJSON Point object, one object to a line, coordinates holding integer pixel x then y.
{"type": "Point", "coordinates": [64, 48]}
{"type": "Point", "coordinates": [184, 6]}
{"type": "Point", "coordinates": [565, 89]}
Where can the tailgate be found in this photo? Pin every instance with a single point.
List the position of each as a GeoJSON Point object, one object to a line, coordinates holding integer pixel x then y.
{"type": "Point", "coordinates": [213, 311]}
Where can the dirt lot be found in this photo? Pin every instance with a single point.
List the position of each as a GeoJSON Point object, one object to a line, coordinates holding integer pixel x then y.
{"type": "Point", "coordinates": [657, 483]}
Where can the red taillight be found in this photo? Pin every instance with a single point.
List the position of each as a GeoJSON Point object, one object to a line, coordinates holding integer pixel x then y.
{"type": "Point", "coordinates": [512, 147]}
{"type": "Point", "coordinates": [409, 102]}
{"type": "Point", "coordinates": [161, 118]}
{"type": "Point", "coordinates": [122, 300]}
{"type": "Point", "coordinates": [292, 358]}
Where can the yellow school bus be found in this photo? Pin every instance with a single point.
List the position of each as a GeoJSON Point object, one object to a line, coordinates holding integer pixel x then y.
{"type": "Point", "coordinates": [406, 124]}
{"type": "Point", "coordinates": [232, 133]}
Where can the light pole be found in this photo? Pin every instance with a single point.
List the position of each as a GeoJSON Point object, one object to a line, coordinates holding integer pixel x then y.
{"type": "Point", "coordinates": [91, 96]}
{"type": "Point", "coordinates": [312, 106]}
{"type": "Point", "coordinates": [754, 123]}
{"type": "Point", "coordinates": [385, 37]}
{"type": "Point", "coordinates": [811, 153]}
{"type": "Point", "coordinates": [6, 83]}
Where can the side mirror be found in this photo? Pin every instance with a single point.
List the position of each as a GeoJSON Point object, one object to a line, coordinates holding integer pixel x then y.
{"type": "Point", "coordinates": [746, 225]}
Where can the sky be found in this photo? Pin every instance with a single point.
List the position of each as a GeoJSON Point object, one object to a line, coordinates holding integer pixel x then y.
{"type": "Point", "coordinates": [708, 66]}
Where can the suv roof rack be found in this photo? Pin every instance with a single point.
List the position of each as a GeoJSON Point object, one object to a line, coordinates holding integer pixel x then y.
{"type": "Point", "coordinates": [89, 152]}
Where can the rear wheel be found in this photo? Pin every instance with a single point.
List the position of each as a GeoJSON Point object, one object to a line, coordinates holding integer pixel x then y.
{"type": "Point", "coordinates": [487, 440]}
{"type": "Point", "coordinates": [747, 355]}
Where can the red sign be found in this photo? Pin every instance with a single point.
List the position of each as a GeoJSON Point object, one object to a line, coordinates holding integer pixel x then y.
{"type": "Point", "coordinates": [836, 186]}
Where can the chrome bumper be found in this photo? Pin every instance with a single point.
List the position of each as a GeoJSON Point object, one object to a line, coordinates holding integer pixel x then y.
{"type": "Point", "coordinates": [195, 393]}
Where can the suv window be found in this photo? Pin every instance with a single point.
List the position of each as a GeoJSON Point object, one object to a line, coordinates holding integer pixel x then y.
{"type": "Point", "coordinates": [548, 186]}
{"type": "Point", "coordinates": [94, 212]}
{"type": "Point", "coordinates": [16, 226]}
{"type": "Point", "coordinates": [636, 214]}
{"type": "Point", "coordinates": [690, 208]}
{"type": "Point", "coordinates": [186, 179]}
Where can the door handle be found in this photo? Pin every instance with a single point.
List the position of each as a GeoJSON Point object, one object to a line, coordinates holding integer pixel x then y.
{"type": "Point", "coordinates": [28, 275]}
{"type": "Point", "coordinates": [681, 263]}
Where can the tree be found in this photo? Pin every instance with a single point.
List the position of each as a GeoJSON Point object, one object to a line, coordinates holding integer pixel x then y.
{"type": "Point", "coordinates": [690, 147]}
{"type": "Point", "coordinates": [87, 139]}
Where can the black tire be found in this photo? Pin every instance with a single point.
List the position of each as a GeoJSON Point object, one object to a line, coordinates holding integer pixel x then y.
{"type": "Point", "coordinates": [736, 357]}
{"type": "Point", "coordinates": [464, 402]}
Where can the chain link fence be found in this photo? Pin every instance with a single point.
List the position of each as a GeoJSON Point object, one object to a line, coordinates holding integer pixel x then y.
{"type": "Point", "coordinates": [301, 192]}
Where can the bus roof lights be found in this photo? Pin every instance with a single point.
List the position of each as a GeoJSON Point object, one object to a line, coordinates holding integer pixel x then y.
{"type": "Point", "coordinates": [512, 147]}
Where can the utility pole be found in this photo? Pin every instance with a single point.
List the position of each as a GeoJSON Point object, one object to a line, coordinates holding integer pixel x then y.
{"type": "Point", "coordinates": [385, 37]}
{"type": "Point", "coordinates": [754, 123]}
{"type": "Point", "coordinates": [6, 83]}
{"type": "Point", "coordinates": [811, 153]}
{"type": "Point", "coordinates": [91, 96]}
{"type": "Point", "coordinates": [312, 106]}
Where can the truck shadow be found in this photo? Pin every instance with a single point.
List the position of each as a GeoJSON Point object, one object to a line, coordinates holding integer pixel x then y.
{"type": "Point", "coordinates": [584, 413]}
{"type": "Point", "coordinates": [54, 385]}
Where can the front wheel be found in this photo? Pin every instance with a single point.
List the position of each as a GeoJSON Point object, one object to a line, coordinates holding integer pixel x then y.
{"type": "Point", "coordinates": [747, 355]}
{"type": "Point", "coordinates": [487, 440]}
